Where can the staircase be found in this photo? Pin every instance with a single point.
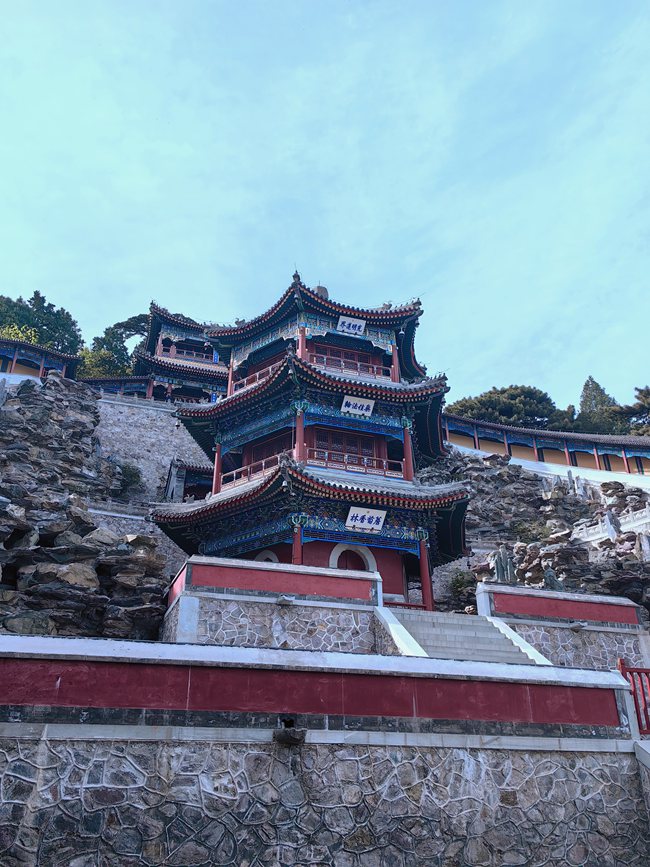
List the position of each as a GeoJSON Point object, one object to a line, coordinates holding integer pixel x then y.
{"type": "Point", "coordinates": [460, 636]}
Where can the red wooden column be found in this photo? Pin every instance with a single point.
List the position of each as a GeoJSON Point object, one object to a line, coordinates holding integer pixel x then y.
{"type": "Point", "coordinates": [296, 546]}
{"type": "Point", "coordinates": [409, 468]}
{"type": "Point", "coordinates": [14, 360]}
{"type": "Point", "coordinates": [475, 434]}
{"type": "Point", "coordinates": [42, 367]}
{"type": "Point", "coordinates": [395, 373]}
{"type": "Point", "coordinates": [597, 458]}
{"type": "Point", "coordinates": [625, 460]}
{"type": "Point", "coordinates": [172, 351]}
{"type": "Point", "coordinates": [425, 573]}
{"type": "Point", "coordinates": [302, 342]}
{"type": "Point", "coordinates": [231, 373]}
{"type": "Point", "coordinates": [65, 367]}
{"type": "Point", "coordinates": [535, 452]}
{"type": "Point", "coordinates": [216, 474]}
{"type": "Point", "coordinates": [150, 389]}
{"type": "Point", "coordinates": [567, 454]}
{"type": "Point", "coordinates": [300, 451]}
{"type": "Point", "coordinates": [505, 443]}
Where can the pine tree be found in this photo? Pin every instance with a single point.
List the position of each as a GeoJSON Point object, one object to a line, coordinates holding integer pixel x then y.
{"type": "Point", "coordinates": [638, 413]}
{"type": "Point", "coordinates": [598, 411]}
{"type": "Point", "coordinates": [518, 405]}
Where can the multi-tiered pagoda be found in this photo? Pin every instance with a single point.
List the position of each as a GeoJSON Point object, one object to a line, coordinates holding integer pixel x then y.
{"type": "Point", "coordinates": [326, 417]}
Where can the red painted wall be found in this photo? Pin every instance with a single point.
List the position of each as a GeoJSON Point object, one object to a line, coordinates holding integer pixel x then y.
{"type": "Point", "coordinates": [389, 563]}
{"type": "Point", "coordinates": [280, 582]}
{"type": "Point", "coordinates": [177, 587]}
{"type": "Point", "coordinates": [143, 685]}
{"type": "Point", "coordinates": [539, 606]}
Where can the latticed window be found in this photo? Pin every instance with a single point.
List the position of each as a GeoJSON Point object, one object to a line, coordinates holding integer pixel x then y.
{"type": "Point", "coordinates": [271, 447]}
{"type": "Point", "coordinates": [335, 445]}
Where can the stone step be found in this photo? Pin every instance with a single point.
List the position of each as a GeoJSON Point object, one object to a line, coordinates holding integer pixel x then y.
{"type": "Point", "coordinates": [513, 658]}
{"type": "Point", "coordinates": [462, 637]}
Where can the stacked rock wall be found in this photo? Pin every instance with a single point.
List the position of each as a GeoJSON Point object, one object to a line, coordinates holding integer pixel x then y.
{"type": "Point", "coordinates": [79, 802]}
{"type": "Point", "coordinates": [60, 572]}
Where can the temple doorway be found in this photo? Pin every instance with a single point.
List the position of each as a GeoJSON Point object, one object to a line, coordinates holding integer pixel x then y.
{"type": "Point", "coordinates": [351, 560]}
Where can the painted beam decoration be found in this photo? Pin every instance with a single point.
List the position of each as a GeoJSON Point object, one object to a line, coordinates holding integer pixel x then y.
{"type": "Point", "coordinates": [357, 406]}
{"type": "Point", "coordinates": [365, 520]}
{"type": "Point", "coordinates": [348, 325]}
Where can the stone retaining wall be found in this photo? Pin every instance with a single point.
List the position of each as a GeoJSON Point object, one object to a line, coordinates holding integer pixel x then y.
{"type": "Point", "coordinates": [586, 648]}
{"type": "Point", "coordinates": [240, 623]}
{"type": "Point", "coordinates": [148, 436]}
{"type": "Point", "coordinates": [143, 804]}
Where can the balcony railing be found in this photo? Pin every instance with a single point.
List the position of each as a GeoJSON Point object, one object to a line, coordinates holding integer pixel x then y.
{"type": "Point", "coordinates": [189, 355]}
{"type": "Point", "coordinates": [254, 378]}
{"type": "Point", "coordinates": [356, 463]}
{"type": "Point", "coordinates": [319, 458]}
{"type": "Point", "coordinates": [250, 471]}
{"type": "Point", "coordinates": [352, 368]}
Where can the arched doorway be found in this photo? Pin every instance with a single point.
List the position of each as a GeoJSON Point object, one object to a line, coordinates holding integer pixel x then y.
{"type": "Point", "coordinates": [349, 559]}
{"type": "Point", "coordinates": [358, 557]}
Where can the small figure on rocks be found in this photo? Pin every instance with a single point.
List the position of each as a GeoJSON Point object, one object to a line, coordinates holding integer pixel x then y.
{"type": "Point", "coordinates": [551, 581]}
{"type": "Point", "coordinates": [504, 567]}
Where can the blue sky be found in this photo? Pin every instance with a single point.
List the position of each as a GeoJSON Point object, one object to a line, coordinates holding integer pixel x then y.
{"type": "Point", "coordinates": [491, 157]}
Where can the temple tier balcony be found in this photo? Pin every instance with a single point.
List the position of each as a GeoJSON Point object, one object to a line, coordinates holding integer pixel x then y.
{"type": "Point", "coordinates": [324, 362]}
{"type": "Point", "coordinates": [349, 367]}
{"type": "Point", "coordinates": [254, 378]}
{"type": "Point", "coordinates": [353, 463]}
{"type": "Point", "coordinates": [356, 463]}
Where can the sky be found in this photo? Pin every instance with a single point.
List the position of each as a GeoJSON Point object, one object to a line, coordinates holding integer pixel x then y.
{"type": "Point", "coordinates": [491, 158]}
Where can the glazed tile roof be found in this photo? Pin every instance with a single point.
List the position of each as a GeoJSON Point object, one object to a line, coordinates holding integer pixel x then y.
{"type": "Point", "coordinates": [346, 480]}
{"type": "Point", "coordinates": [298, 293]}
{"type": "Point", "coordinates": [609, 439]}
{"type": "Point", "coordinates": [357, 384]}
{"type": "Point", "coordinates": [333, 480]}
{"type": "Point", "coordinates": [46, 350]}
{"type": "Point", "coordinates": [198, 369]}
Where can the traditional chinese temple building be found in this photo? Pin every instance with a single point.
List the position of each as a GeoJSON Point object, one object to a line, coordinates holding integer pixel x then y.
{"type": "Point", "coordinates": [180, 361]}
{"type": "Point", "coordinates": [28, 359]}
{"type": "Point", "coordinates": [326, 416]}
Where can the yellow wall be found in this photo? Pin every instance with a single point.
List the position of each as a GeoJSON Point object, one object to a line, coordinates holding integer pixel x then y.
{"type": "Point", "coordinates": [588, 461]}
{"type": "Point", "coordinates": [616, 463]}
{"type": "Point", "coordinates": [25, 370]}
{"type": "Point", "coordinates": [492, 446]}
{"type": "Point", "coordinates": [524, 453]}
{"type": "Point", "coordinates": [646, 465]}
{"type": "Point", "coordinates": [553, 456]}
{"type": "Point", "coordinates": [459, 439]}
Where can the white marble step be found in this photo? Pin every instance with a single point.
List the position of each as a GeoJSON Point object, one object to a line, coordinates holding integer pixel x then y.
{"type": "Point", "coordinates": [474, 638]}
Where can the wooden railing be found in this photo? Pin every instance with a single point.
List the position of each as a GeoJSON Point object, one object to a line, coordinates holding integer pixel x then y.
{"type": "Point", "coordinates": [187, 354]}
{"type": "Point", "coordinates": [355, 368]}
{"type": "Point", "coordinates": [639, 680]}
{"type": "Point", "coordinates": [355, 463]}
{"type": "Point", "coordinates": [250, 471]}
{"type": "Point", "coordinates": [320, 458]}
{"type": "Point", "coordinates": [254, 378]}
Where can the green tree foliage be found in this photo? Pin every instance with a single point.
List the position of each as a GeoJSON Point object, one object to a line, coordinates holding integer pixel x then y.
{"type": "Point", "coordinates": [99, 362]}
{"type": "Point", "coordinates": [109, 354]}
{"type": "Point", "coordinates": [638, 413]}
{"type": "Point", "coordinates": [114, 339]}
{"type": "Point", "coordinates": [563, 419]}
{"type": "Point", "coordinates": [19, 332]}
{"type": "Point", "coordinates": [598, 411]}
{"type": "Point", "coordinates": [54, 326]}
{"type": "Point", "coordinates": [518, 405]}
